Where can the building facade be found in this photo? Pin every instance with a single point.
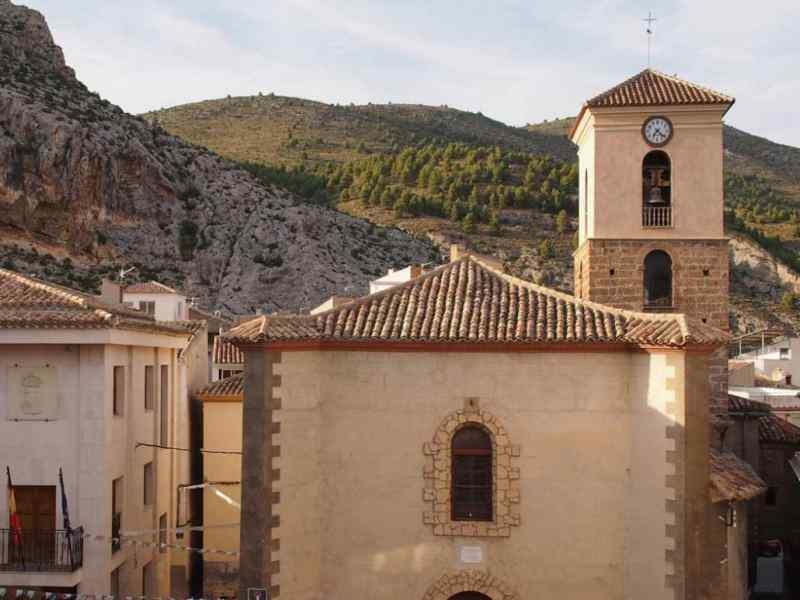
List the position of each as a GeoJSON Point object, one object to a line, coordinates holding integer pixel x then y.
{"type": "Point", "coordinates": [467, 432]}
{"type": "Point", "coordinates": [82, 384]}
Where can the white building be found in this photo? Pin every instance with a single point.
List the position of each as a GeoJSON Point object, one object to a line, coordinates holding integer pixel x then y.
{"type": "Point", "coordinates": [778, 361]}
{"type": "Point", "coordinates": [83, 383]}
{"type": "Point", "coordinates": [395, 277]}
{"type": "Point", "coordinates": [157, 299]}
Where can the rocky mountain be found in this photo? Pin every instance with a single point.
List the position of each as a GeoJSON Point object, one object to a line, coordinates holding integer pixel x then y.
{"type": "Point", "coordinates": [86, 188]}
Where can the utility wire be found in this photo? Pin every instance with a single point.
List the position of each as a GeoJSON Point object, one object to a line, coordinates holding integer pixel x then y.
{"type": "Point", "coordinates": [203, 450]}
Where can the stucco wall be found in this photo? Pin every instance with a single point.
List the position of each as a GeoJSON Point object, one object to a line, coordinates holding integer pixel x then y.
{"type": "Point", "coordinates": [222, 430]}
{"type": "Point", "coordinates": [169, 307]}
{"type": "Point", "coordinates": [695, 151]}
{"type": "Point", "coordinates": [93, 447]}
{"type": "Point", "coordinates": [597, 472]}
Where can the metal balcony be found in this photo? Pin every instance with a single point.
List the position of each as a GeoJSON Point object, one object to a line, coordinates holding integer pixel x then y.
{"type": "Point", "coordinates": [657, 217]}
{"type": "Point", "coordinates": [53, 550]}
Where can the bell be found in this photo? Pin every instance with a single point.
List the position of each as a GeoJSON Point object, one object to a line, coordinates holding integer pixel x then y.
{"type": "Point", "coordinates": [654, 196]}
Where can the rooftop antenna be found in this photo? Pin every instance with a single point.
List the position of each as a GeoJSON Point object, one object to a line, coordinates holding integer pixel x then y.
{"type": "Point", "coordinates": [649, 20]}
{"type": "Point", "coordinates": [123, 272]}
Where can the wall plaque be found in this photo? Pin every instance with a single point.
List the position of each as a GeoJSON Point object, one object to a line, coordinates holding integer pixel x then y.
{"type": "Point", "coordinates": [471, 554]}
{"type": "Point", "coordinates": [32, 393]}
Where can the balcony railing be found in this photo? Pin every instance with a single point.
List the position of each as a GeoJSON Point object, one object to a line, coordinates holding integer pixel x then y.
{"type": "Point", "coordinates": [657, 216]}
{"type": "Point", "coordinates": [42, 550]}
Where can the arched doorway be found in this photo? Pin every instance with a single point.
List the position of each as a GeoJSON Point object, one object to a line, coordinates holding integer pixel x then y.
{"type": "Point", "coordinates": [470, 596]}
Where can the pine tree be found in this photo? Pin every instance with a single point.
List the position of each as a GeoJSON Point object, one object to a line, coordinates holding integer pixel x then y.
{"type": "Point", "coordinates": [562, 221]}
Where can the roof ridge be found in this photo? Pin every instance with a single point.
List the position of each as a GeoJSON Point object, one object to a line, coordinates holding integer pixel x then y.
{"type": "Point", "coordinates": [683, 81]}
{"type": "Point", "coordinates": [622, 312]}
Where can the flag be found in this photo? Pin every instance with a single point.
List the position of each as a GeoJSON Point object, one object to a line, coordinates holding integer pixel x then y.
{"type": "Point", "coordinates": [14, 523]}
{"type": "Point", "coordinates": [64, 509]}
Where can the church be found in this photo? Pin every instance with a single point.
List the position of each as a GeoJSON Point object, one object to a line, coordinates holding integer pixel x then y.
{"type": "Point", "coordinates": [468, 435]}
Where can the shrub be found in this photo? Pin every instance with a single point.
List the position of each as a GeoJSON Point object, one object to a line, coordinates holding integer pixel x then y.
{"type": "Point", "coordinates": [187, 239]}
{"type": "Point", "coordinates": [546, 249]}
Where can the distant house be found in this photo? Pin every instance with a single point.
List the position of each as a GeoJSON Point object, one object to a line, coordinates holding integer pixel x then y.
{"type": "Point", "coordinates": [777, 361]}
{"type": "Point", "coordinates": [157, 299]}
{"type": "Point", "coordinates": [226, 359]}
{"type": "Point", "coordinates": [770, 444]}
{"type": "Point", "coordinates": [83, 383]}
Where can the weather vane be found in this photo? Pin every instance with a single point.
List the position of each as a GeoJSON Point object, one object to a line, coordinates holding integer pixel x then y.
{"type": "Point", "coordinates": [649, 20]}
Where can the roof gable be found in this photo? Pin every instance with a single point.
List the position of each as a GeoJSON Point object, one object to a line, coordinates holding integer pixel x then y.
{"type": "Point", "coordinates": [469, 301]}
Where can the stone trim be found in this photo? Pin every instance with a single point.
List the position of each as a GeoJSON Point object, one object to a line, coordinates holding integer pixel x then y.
{"type": "Point", "coordinates": [437, 474]}
{"type": "Point", "coordinates": [470, 581]}
{"type": "Point", "coordinates": [275, 542]}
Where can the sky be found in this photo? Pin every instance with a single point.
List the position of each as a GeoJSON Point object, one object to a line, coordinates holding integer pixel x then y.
{"type": "Point", "coordinates": [515, 61]}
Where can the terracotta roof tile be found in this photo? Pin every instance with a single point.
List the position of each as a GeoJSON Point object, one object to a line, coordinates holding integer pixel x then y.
{"type": "Point", "coordinates": [774, 430]}
{"type": "Point", "coordinates": [653, 88]}
{"type": "Point", "coordinates": [469, 301]}
{"type": "Point", "coordinates": [732, 478]}
{"type": "Point", "coordinates": [149, 287]}
{"type": "Point", "coordinates": [28, 303]}
{"type": "Point", "coordinates": [225, 353]}
{"type": "Point", "coordinates": [737, 404]}
{"type": "Point", "coordinates": [229, 388]}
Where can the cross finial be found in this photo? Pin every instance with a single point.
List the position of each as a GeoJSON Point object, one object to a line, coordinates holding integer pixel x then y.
{"type": "Point", "coordinates": [649, 20]}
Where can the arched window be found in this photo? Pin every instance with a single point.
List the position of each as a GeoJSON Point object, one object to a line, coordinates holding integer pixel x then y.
{"type": "Point", "coordinates": [472, 474]}
{"type": "Point", "coordinates": [656, 190]}
{"type": "Point", "coordinates": [470, 596]}
{"type": "Point", "coordinates": [657, 280]}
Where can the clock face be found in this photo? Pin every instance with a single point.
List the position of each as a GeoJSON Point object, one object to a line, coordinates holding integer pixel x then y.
{"type": "Point", "coordinates": [657, 130]}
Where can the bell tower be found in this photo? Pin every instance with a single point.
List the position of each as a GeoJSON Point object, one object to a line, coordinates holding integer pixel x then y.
{"type": "Point", "coordinates": [651, 198]}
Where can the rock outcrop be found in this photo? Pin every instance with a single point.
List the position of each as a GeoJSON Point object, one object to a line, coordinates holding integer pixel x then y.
{"type": "Point", "coordinates": [78, 171]}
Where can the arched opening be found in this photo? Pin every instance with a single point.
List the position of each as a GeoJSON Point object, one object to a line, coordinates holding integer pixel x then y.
{"type": "Point", "coordinates": [656, 190]}
{"type": "Point", "coordinates": [470, 596]}
{"type": "Point", "coordinates": [657, 280]}
{"type": "Point", "coordinates": [471, 474]}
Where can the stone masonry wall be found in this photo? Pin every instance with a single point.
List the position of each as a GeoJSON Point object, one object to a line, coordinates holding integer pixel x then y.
{"type": "Point", "coordinates": [612, 272]}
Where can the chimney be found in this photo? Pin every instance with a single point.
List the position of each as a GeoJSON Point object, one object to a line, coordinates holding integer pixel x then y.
{"type": "Point", "coordinates": [110, 292]}
{"type": "Point", "coordinates": [457, 251]}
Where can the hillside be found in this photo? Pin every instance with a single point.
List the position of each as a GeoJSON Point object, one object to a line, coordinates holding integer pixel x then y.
{"type": "Point", "coordinates": [86, 188]}
{"type": "Point", "coordinates": [350, 157]}
{"type": "Point", "coordinates": [276, 130]}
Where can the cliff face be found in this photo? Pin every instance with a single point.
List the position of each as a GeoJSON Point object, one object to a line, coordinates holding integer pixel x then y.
{"type": "Point", "coordinates": [78, 171]}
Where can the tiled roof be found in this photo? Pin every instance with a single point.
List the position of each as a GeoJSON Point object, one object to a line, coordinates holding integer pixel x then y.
{"type": "Point", "coordinates": [782, 402]}
{"type": "Point", "coordinates": [737, 404]}
{"type": "Point", "coordinates": [229, 388]}
{"type": "Point", "coordinates": [225, 353]}
{"type": "Point", "coordinates": [149, 287]}
{"type": "Point", "coordinates": [28, 303]}
{"type": "Point", "coordinates": [732, 478]}
{"type": "Point", "coordinates": [469, 301]}
{"type": "Point", "coordinates": [653, 88]}
{"type": "Point", "coordinates": [773, 429]}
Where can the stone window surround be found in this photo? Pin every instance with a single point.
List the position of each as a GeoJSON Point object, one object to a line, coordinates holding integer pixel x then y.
{"type": "Point", "coordinates": [469, 580]}
{"type": "Point", "coordinates": [437, 475]}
